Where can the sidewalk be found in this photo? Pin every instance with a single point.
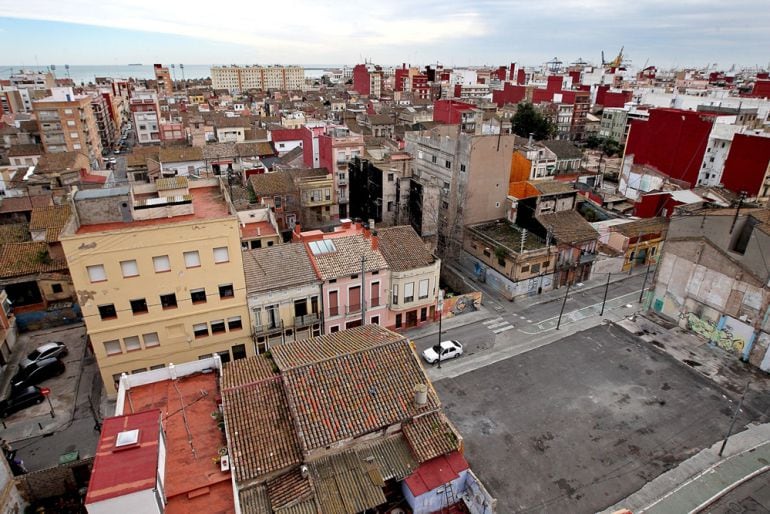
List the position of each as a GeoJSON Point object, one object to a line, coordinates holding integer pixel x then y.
{"type": "Point", "coordinates": [468, 318]}
{"type": "Point", "coordinates": [703, 478]}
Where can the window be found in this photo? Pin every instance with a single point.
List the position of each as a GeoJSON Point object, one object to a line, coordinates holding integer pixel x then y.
{"type": "Point", "coordinates": [234, 323]}
{"type": "Point", "coordinates": [70, 123]}
{"type": "Point", "coordinates": [390, 206]}
{"type": "Point", "coordinates": [408, 292]}
{"type": "Point", "coordinates": [107, 311]}
{"type": "Point", "coordinates": [192, 259]}
{"type": "Point", "coordinates": [168, 301]}
{"type": "Point", "coordinates": [239, 351]}
{"type": "Point", "coordinates": [96, 273]}
{"type": "Point", "coordinates": [139, 306]}
{"type": "Point", "coordinates": [129, 268]}
{"type": "Point", "coordinates": [112, 347]}
{"type": "Point", "coordinates": [375, 320]}
{"type": "Point", "coordinates": [395, 294]}
{"type": "Point", "coordinates": [56, 288]}
{"type": "Point", "coordinates": [334, 329]}
{"type": "Point", "coordinates": [76, 146]}
{"type": "Point", "coordinates": [424, 314]}
{"type": "Point", "coordinates": [198, 295]}
{"type": "Point", "coordinates": [73, 135]}
{"type": "Point", "coordinates": [226, 291]}
{"type": "Point", "coordinates": [200, 330]}
{"type": "Point", "coordinates": [277, 201]}
{"type": "Point", "coordinates": [398, 321]}
{"type": "Point", "coordinates": [390, 177]}
{"type": "Point", "coordinates": [433, 159]}
{"type": "Point", "coordinates": [535, 268]}
{"type": "Point", "coordinates": [423, 291]}
{"type": "Point", "coordinates": [158, 366]}
{"type": "Point", "coordinates": [151, 340]}
{"type": "Point", "coordinates": [132, 343]}
{"type": "Point", "coordinates": [218, 326]}
{"type": "Point", "coordinates": [525, 269]}
{"type": "Point", "coordinates": [447, 164]}
{"type": "Point", "coordinates": [161, 263]}
{"type": "Point", "coordinates": [221, 255]}
{"type": "Point", "coordinates": [462, 167]}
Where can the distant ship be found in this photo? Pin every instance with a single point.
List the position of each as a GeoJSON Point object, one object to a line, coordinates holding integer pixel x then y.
{"type": "Point", "coordinates": [135, 64]}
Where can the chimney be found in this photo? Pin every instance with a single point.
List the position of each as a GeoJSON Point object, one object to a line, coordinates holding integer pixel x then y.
{"type": "Point", "coordinates": [371, 224]}
{"type": "Point", "coordinates": [366, 231]}
{"type": "Point", "coordinates": [346, 223]}
{"type": "Point", "coordinates": [420, 395]}
{"type": "Point", "coordinates": [375, 241]}
{"type": "Point", "coordinates": [531, 138]}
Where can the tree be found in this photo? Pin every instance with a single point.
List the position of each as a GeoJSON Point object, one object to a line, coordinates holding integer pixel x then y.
{"type": "Point", "coordinates": [529, 120]}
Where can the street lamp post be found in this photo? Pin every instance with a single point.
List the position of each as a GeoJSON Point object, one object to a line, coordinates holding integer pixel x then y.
{"type": "Point", "coordinates": [606, 289]}
{"type": "Point", "coordinates": [558, 323]}
{"type": "Point", "coordinates": [440, 317]}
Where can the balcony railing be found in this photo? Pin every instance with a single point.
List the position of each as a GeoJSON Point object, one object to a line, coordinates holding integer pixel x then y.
{"type": "Point", "coordinates": [306, 320]}
{"type": "Point", "coordinates": [375, 302]}
{"type": "Point", "coordinates": [587, 257]}
{"type": "Point", "coordinates": [353, 308]}
{"type": "Point", "coordinates": [334, 310]}
{"type": "Point", "coordinates": [269, 328]}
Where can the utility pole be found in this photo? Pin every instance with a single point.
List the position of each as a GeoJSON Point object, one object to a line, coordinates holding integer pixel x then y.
{"type": "Point", "coordinates": [741, 198]}
{"type": "Point", "coordinates": [606, 290]}
{"type": "Point", "coordinates": [363, 290]}
{"type": "Point", "coordinates": [735, 417]}
{"type": "Point", "coordinates": [558, 323]}
{"type": "Point", "coordinates": [440, 316]}
{"type": "Point", "coordinates": [644, 283]}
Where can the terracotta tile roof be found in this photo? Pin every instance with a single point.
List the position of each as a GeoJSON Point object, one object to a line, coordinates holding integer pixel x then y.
{"type": "Point", "coordinates": [403, 249]}
{"type": "Point", "coordinates": [563, 149]}
{"type": "Point", "coordinates": [247, 371]}
{"type": "Point", "coordinates": [641, 226]}
{"type": "Point", "coordinates": [355, 394]}
{"type": "Point", "coordinates": [288, 489]}
{"type": "Point", "coordinates": [180, 154]}
{"type": "Point", "coordinates": [552, 187]}
{"type": "Point", "coordinates": [164, 184]}
{"type": "Point", "coordinates": [568, 226]}
{"type": "Point", "coordinates": [279, 182]}
{"type": "Point", "coordinates": [55, 216]}
{"type": "Point", "coordinates": [304, 507]}
{"type": "Point", "coordinates": [392, 456]}
{"type": "Point", "coordinates": [262, 436]}
{"type": "Point", "coordinates": [17, 259]}
{"type": "Point", "coordinates": [346, 260]}
{"type": "Point", "coordinates": [277, 267]}
{"type": "Point", "coordinates": [431, 435]}
{"type": "Point", "coordinates": [343, 484]}
{"type": "Point", "coordinates": [315, 349]}
{"type": "Point", "coordinates": [219, 150]}
{"type": "Point", "coordinates": [261, 149]}
{"type": "Point", "coordinates": [25, 150]}
{"type": "Point", "coordinates": [14, 233]}
{"type": "Point", "coordinates": [24, 203]}
{"type": "Point", "coordinates": [61, 161]}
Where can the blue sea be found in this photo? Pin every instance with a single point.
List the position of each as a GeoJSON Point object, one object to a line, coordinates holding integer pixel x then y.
{"type": "Point", "coordinates": [88, 73]}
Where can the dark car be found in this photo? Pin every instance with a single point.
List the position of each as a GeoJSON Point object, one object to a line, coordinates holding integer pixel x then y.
{"type": "Point", "coordinates": [36, 372]}
{"type": "Point", "coordinates": [21, 399]}
{"type": "Point", "coordinates": [45, 351]}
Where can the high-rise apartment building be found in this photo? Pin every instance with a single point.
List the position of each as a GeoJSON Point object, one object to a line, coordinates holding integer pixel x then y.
{"type": "Point", "coordinates": [241, 78]}
{"type": "Point", "coordinates": [159, 275]}
{"type": "Point", "coordinates": [67, 123]}
{"type": "Point", "coordinates": [163, 82]}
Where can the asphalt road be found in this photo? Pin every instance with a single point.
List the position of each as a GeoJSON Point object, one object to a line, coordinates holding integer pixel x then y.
{"type": "Point", "coordinates": [583, 422]}
{"type": "Point", "coordinates": [521, 322]}
{"type": "Point", "coordinates": [752, 496]}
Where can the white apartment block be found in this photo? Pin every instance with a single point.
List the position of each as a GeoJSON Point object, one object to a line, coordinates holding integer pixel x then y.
{"type": "Point", "coordinates": [240, 78]}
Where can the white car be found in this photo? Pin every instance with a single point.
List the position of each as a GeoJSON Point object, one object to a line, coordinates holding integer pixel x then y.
{"type": "Point", "coordinates": [449, 350]}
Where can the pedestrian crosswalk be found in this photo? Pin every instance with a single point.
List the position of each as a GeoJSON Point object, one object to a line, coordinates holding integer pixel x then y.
{"type": "Point", "coordinates": [498, 325]}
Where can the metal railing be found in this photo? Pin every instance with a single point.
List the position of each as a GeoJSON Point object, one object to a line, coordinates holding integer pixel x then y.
{"type": "Point", "coordinates": [306, 320]}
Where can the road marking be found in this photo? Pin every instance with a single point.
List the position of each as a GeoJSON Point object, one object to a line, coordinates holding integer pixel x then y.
{"type": "Point", "coordinates": [497, 325]}
{"type": "Point", "coordinates": [509, 327]}
{"type": "Point", "coordinates": [490, 321]}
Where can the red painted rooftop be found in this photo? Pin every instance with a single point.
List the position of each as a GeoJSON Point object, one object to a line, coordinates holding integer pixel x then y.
{"type": "Point", "coordinates": [194, 482]}
{"type": "Point", "coordinates": [436, 472]}
{"type": "Point", "coordinates": [258, 229]}
{"type": "Point", "coordinates": [207, 204]}
{"type": "Point", "coordinates": [118, 472]}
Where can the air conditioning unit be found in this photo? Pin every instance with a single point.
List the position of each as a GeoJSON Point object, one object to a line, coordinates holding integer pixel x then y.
{"type": "Point", "coordinates": [224, 463]}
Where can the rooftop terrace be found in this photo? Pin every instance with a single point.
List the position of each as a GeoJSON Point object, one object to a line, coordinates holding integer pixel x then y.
{"type": "Point", "coordinates": [502, 232]}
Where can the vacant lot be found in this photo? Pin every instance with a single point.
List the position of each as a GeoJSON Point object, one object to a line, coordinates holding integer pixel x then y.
{"type": "Point", "coordinates": [582, 423]}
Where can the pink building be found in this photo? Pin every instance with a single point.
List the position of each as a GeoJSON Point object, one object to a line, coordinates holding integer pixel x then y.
{"type": "Point", "coordinates": [337, 258]}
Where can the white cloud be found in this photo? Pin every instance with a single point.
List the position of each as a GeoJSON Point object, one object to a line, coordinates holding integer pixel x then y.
{"type": "Point", "coordinates": [289, 28]}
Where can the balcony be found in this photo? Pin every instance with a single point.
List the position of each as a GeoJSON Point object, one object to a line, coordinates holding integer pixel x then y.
{"type": "Point", "coordinates": [334, 310]}
{"type": "Point", "coordinates": [587, 257]}
{"type": "Point", "coordinates": [353, 308]}
{"type": "Point", "coordinates": [375, 302]}
{"type": "Point", "coordinates": [306, 321]}
{"type": "Point", "coordinates": [268, 329]}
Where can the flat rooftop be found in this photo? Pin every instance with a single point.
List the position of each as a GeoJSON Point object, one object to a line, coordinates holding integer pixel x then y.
{"type": "Point", "coordinates": [194, 482]}
{"type": "Point", "coordinates": [509, 235]}
{"type": "Point", "coordinates": [207, 202]}
{"type": "Point", "coordinates": [257, 229]}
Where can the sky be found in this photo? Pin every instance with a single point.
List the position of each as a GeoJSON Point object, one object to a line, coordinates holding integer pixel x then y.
{"type": "Point", "coordinates": [664, 33]}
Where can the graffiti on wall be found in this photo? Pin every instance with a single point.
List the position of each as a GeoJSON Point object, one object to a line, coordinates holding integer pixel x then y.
{"type": "Point", "coordinates": [455, 305]}
{"type": "Point", "coordinates": [722, 337]}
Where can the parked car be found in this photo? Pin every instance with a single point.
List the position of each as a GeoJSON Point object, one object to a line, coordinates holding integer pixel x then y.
{"type": "Point", "coordinates": [44, 351]}
{"type": "Point", "coordinates": [22, 398]}
{"type": "Point", "coordinates": [36, 372]}
{"type": "Point", "coordinates": [449, 350]}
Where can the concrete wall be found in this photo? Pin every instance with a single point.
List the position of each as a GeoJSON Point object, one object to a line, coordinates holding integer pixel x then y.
{"type": "Point", "coordinates": [50, 482]}
{"type": "Point", "coordinates": [476, 497]}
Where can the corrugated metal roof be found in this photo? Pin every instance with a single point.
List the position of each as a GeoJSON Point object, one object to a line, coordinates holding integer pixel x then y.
{"type": "Point", "coordinates": [392, 457]}
{"type": "Point", "coordinates": [254, 500]}
{"type": "Point", "coordinates": [344, 484]}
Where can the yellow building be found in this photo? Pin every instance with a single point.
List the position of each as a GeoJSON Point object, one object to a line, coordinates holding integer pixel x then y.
{"type": "Point", "coordinates": [159, 276]}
